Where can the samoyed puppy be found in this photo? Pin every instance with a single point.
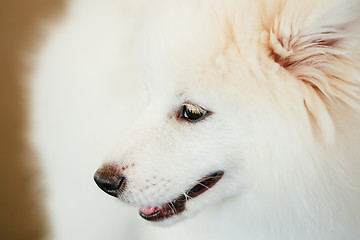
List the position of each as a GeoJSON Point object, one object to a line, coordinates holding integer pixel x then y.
{"type": "Point", "coordinates": [250, 127]}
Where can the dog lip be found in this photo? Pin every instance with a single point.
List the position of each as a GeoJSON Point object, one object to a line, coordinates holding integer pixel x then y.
{"type": "Point", "coordinates": [205, 184]}
{"type": "Point", "coordinates": [167, 210]}
{"type": "Point", "coordinates": [179, 204]}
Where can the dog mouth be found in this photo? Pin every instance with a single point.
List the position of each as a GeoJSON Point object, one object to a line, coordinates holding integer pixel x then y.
{"type": "Point", "coordinates": [169, 209]}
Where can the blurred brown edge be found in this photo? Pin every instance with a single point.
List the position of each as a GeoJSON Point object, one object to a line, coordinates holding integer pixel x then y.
{"type": "Point", "coordinates": [22, 32]}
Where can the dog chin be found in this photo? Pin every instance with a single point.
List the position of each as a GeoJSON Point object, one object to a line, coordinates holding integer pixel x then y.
{"type": "Point", "coordinates": [174, 220]}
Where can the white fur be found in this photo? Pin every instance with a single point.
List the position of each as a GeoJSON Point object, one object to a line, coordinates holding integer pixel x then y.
{"type": "Point", "coordinates": [282, 79]}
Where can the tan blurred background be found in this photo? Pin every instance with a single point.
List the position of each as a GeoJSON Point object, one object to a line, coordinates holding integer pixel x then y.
{"type": "Point", "coordinates": [21, 214]}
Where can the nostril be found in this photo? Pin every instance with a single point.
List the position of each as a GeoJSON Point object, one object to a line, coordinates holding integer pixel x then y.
{"type": "Point", "coordinates": [109, 183]}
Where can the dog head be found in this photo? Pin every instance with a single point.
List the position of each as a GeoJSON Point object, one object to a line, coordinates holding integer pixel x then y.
{"type": "Point", "coordinates": [240, 91]}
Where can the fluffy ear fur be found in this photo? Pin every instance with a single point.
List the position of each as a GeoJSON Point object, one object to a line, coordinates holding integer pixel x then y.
{"type": "Point", "coordinates": [321, 48]}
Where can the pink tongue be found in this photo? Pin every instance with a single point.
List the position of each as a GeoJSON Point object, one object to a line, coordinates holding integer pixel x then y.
{"type": "Point", "coordinates": [148, 210]}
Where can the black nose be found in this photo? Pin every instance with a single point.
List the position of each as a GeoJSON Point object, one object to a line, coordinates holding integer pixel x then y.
{"type": "Point", "coordinates": [108, 180]}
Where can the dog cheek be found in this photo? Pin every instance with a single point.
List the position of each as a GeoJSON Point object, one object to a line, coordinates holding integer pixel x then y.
{"type": "Point", "coordinates": [144, 189]}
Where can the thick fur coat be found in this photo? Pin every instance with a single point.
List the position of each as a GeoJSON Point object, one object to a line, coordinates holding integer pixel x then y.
{"type": "Point", "coordinates": [281, 80]}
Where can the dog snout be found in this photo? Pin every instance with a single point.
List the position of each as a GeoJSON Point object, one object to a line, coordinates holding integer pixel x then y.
{"type": "Point", "coordinates": [109, 180]}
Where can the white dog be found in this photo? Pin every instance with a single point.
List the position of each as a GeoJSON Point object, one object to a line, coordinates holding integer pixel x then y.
{"type": "Point", "coordinates": [253, 111]}
{"type": "Point", "coordinates": [254, 99]}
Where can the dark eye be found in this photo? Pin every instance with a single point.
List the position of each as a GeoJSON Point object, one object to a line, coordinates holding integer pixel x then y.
{"type": "Point", "coordinates": [192, 113]}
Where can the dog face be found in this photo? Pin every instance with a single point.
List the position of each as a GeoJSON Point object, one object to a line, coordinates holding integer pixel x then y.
{"type": "Point", "coordinates": [182, 146]}
{"type": "Point", "coordinates": [232, 106]}
{"type": "Point", "coordinates": [185, 151]}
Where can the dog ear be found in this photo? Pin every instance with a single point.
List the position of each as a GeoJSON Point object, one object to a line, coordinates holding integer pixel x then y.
{"type": "Point", "coordinates": [320, 48]}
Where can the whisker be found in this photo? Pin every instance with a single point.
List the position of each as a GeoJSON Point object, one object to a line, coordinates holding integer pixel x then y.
{"type": "Point", "coordinates": [172, 207]}
{"type": "Point", "coordinates": [203, 185]}
{"type": "Point", "coordinates": [187, 197]}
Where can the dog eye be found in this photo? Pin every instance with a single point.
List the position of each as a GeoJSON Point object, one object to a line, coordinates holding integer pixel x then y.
{"type": "Point", "coordinates": [192, 113]}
